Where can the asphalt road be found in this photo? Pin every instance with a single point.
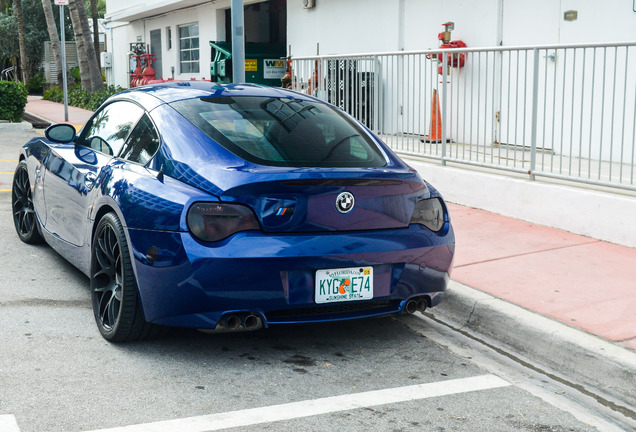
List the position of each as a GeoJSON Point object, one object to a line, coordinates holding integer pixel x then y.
{"type": "Point", "coordinates": [405, 374]}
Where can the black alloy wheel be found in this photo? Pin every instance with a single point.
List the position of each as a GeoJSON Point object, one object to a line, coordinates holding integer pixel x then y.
{"type": "Point", "coordinates": [24, 217]}
{"type": "Point", "coordinates": [116, 304]}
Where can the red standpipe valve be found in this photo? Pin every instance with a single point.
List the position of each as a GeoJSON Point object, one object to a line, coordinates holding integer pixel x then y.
{"type": "Point", "coordinates": [456, 60]}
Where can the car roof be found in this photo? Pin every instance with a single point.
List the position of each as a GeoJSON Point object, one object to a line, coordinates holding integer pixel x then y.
{"type": "Point", "coordinates": [172, 91]}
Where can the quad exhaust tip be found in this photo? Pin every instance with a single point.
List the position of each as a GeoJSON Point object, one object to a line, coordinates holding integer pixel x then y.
{"type": "Point", "coordinates": [251, 322]}
{"type": "Point", "coordinates": [422, 304]}
{"type": "Point", "coordinates": [231, 322]}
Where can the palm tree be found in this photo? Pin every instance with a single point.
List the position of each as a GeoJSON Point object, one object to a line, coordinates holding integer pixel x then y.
{"type": "Point", "coordinates": [95, 16]}
{"type": "Point", "coordinates": [80, 44]}
{"type": "Point", "coordinates": [90, 73]}
{"type": "Point", "coordinates": [17, 5]}
{"type": "Point", "coordinates": [55, 40]}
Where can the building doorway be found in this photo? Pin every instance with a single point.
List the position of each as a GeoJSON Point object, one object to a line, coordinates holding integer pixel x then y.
{"type": "Point", "coordinates": [155, 48]}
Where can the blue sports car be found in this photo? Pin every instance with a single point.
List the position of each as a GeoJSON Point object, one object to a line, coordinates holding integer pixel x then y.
{"type": "Point", "coordinates": [232, 207]}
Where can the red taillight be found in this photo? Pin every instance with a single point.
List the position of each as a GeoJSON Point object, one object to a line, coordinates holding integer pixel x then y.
{"type": "Point", "coordinates": [430, 213]}
{"type": "Point", "coordinates": [216, 221]}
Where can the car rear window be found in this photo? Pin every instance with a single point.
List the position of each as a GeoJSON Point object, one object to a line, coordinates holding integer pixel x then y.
{"type": "Point", "coordinates": [283, 132]}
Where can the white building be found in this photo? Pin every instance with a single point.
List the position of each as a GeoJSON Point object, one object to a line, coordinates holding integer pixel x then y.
{"type": "Point", "coordinates": [178, 32]}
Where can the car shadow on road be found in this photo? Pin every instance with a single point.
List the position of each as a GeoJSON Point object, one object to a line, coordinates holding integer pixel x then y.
{"type": "Point", "coordinates": [301, 349]}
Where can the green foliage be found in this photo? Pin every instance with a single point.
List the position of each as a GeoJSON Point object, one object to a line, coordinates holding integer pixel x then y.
{"type": "Point", "coordinates": [82, 98]}
{"type": "Point", "coordinates": [35, 85]}
{"type": "Point", "coordinates": [97, 98]}
{"type": "Point", "coordinates": [13, 99]}
{"type": "Point", "coordinates": [79, 97]}
{"type": "Point", "coordinates": [54, 94]}
{"type": "Point", "coordinates": [101, 8]}
{"type": "Point", "coordinates": [74, 76]}
{"type": "Point", "coordinates": [8, 37]}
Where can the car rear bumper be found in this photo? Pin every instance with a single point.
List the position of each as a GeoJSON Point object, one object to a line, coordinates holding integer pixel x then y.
{"type": "Point", "coordinates": [186, 283]}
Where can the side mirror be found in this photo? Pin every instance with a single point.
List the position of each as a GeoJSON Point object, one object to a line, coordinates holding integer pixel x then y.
{"type": "Point", "coordinates": [60, 133]}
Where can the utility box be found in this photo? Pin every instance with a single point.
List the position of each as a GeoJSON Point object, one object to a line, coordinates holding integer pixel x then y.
{"type": "Point", "coordinates": [264, 63]}
{"type": "Point", "coordinates": [106, 59]}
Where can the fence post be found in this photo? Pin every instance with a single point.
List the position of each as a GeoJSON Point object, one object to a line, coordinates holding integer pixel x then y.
{"type": "Point", "coordinates": [444, 88]}
{"type": "Point", "coordinates": [376, 94]}
{"type": "Point", "coordinates": [533, 125]}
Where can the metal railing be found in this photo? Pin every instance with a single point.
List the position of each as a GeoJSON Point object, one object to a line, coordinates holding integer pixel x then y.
{"type": "Point", "coordinates": [7, 74]}
{"type": "Point", "coordinates": [560, 111]}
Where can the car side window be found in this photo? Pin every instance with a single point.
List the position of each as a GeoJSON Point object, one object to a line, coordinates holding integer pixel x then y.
{"type": "Point", "coordinates": [109, 128]}
{"type": "Point", "coordinates": [143, 142]}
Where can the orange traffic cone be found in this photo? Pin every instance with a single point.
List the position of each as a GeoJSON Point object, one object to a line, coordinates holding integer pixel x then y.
{"type": "Point", "coordinates": [435, 131]}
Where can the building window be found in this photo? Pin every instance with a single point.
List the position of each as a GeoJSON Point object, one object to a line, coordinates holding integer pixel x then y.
{"type": "Point", "coordinates": [169, 37]}
{"type": "Point", "coordinates": [189, 48]}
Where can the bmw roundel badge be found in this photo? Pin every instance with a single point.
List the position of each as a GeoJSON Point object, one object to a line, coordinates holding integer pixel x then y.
{"type": "Point", "coordinates": [345, 202]}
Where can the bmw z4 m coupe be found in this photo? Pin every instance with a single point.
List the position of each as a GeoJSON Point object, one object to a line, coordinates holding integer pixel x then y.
{"type": "Point", "coordinates": [232, 207]}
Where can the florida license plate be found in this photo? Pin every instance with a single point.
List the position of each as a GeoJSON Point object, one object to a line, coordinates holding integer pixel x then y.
{"type": "Point", "coordinates": [345, 284]}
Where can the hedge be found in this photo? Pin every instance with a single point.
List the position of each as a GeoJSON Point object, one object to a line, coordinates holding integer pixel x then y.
{"type": "Point", "coordinates": [13, 99]}
{"type": "Point", "coordinates": [82, 98]}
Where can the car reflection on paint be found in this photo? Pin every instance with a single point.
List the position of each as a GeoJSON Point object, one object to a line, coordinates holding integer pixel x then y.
{"type": "Point", "coordinates": [230, 207]}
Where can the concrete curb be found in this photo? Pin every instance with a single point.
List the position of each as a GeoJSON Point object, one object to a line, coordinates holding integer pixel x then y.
{"type": "Point", "coordinates": [596, 367]}
{"type": "Point", "coordinates": [16, 126]}
{"type": "Point", "coordinates": [35, 118]}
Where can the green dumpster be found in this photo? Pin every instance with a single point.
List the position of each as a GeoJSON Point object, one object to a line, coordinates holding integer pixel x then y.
{"type": "Point", "coordinates": [264, 63]}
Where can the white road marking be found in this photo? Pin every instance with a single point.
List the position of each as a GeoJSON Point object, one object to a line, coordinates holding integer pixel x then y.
{"type": "Point", "coordinates": [294, 410]}
{"type": "Point", "coordinates": [8, 423]}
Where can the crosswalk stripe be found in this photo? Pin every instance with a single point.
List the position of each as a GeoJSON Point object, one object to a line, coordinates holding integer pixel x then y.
{"type": "Point", "coordinates": [8, 423]}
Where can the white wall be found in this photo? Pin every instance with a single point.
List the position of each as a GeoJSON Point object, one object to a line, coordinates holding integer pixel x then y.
{"type": "Point", "coordinates": [362, 26]}
{"type": "Point", "coordinates": [342, 26]}
{"type": "Point", "coordinates": [475, 22]}
{"type": "Point", "coordinates": [599, 21]}
{"type": "Point", "coordinates": [541, 22]}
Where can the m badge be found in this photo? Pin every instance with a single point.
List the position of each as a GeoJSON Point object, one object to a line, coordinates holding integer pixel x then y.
{"type": "Point", "coordinates": [345, 202]}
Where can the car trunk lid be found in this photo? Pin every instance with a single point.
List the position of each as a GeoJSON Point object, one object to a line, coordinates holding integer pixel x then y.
{"type": "Point", "coordinates": [374, 201]}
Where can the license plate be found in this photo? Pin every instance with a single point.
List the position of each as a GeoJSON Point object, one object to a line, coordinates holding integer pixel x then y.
{"type": "Point", "coordinates": [345, 284]}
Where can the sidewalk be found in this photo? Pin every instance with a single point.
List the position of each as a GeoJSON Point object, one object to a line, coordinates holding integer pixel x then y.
{"type": "Point", "coordinates": [54, 112]}
{"type": "Point", "coordinates": [580, 281]}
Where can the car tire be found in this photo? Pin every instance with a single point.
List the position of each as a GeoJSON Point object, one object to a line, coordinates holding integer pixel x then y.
{"type": "Point", "coordinates": [116, 303]}
{"type": "Point", "coordinates": [24, 217]}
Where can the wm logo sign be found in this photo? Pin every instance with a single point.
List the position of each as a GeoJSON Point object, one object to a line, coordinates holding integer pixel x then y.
{"type": "Point", "coordinates": [275, 63]}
